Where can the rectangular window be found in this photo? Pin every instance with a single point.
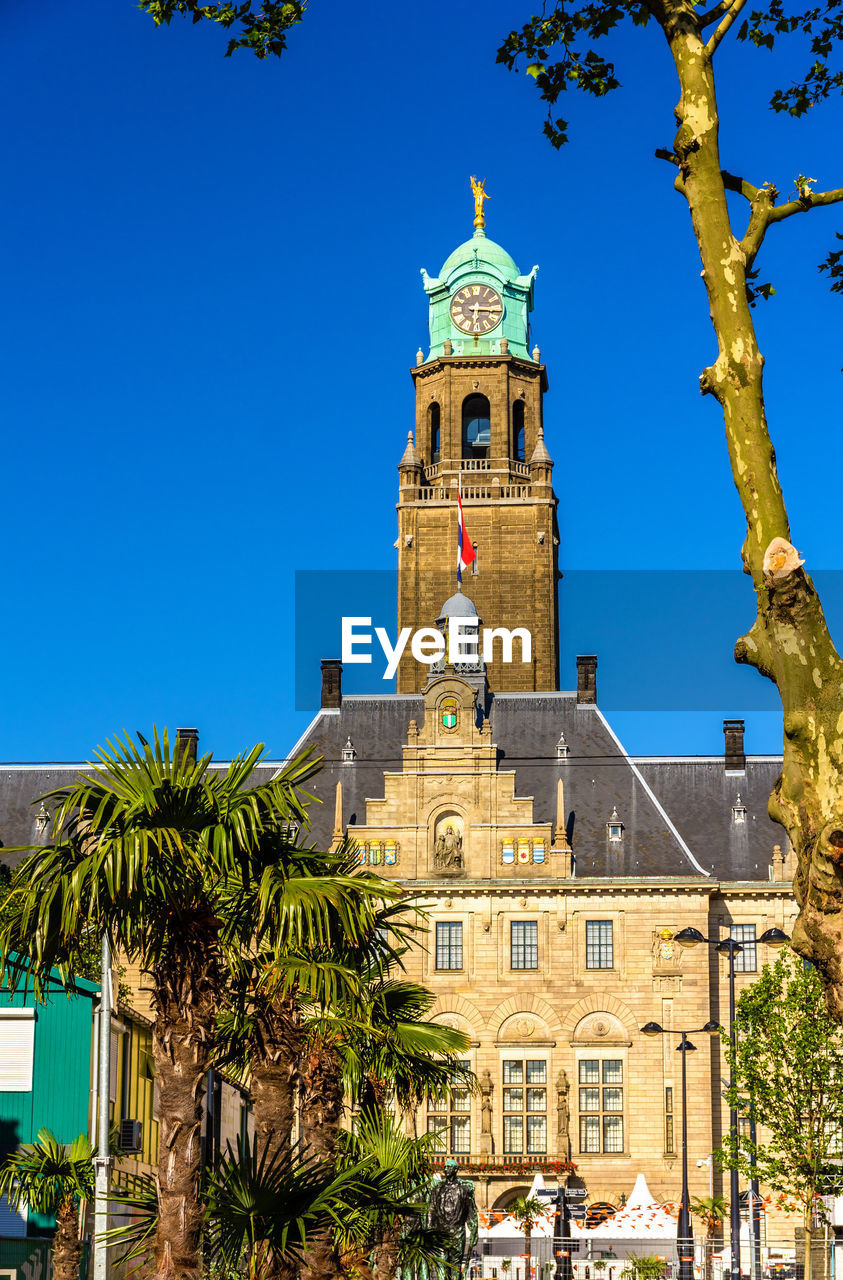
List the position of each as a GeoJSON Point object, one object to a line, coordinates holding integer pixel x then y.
{"type": "Point", "coordinates": [460, 1135]}
{"type": "Point", "coordinates": [590, 1134]}
{"type": "Point", "coordinates": [525, 1109]}
{"type": "Point", "coordinates": [451, 1119]}
{"type": "Point", "coordinates": [524, 944]}
{"type": "Point", "coordinates": [513, 1135]}
{"type": "Point", "coordinates": [668, 1121]}
{"type": "Point", "coordinates": [612, 1133]}
{"type": "Point", "coordinates": [599, 952]}
{"type": "Point", "coordinates": [601, 1105]}
{"type": "Point", "coordinates": [449, 945]}
{"type": "Point", "coordinates": [746, 961]}
{"type": "Point", "coordinates": [17, 1047]}
{"type": "Point", "coordinates": [536, 1134]}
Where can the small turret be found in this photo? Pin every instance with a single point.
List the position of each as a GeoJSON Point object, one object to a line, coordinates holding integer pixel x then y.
{"type": "Point", "coordinates": [409, 469]}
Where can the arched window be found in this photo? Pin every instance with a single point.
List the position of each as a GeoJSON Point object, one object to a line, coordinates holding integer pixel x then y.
{"type": "Point", "coordinates": [518, 431]}
{"type": "Point", "coordinates": [476, 427]}
{"type": "Point", "coordinates": [434, 433]}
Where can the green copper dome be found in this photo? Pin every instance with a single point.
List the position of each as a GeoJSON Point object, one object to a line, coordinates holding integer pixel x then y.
{"type": "Point", "coordinates": [478, 251]}
{"type": "Point", "coordinates": [482, 268]}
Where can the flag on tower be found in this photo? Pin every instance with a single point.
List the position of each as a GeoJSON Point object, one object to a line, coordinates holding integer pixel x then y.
{"type": "Point", "coordinates": [466, 555]}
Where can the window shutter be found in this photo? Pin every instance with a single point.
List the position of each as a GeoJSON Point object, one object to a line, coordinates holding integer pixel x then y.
{"type": "Point", "coordinates": [17, 1045]}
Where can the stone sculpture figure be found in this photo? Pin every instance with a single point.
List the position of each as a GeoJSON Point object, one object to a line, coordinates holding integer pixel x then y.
{"type": "Point", "coordinates": [453, 1211]}
{"type": "Point", "coordinates": [563, 1112]}
{"type": "Point", "coordinates": [448, 848]}
{"type": "Point", "coordinates": [486, 1105]}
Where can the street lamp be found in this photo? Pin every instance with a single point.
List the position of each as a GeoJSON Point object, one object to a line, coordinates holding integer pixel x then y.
{"type": "Point", "coordinates": [728, 946]}
{"type": "Point", "coordinates": [684, 1230]}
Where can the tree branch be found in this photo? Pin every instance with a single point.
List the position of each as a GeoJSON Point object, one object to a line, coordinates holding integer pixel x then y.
{"type": "Point", "coordinates": [706, 19]}
{"type": "Point", "coordinates": [782, 211]}
{"type": "Point", "coordinates": [765, 213]}
{"type": "Point", "coordinates": [733, 183]}
{"type": "Point", "coordinates": [719, 31]}
{"type": "Point", "coordinates": [670, 156]}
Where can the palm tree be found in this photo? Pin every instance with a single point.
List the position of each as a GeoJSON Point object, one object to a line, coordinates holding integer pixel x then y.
{"type": "Point", "coordinates": [372, 1048]}
{"type": "Point", "coordinates": [527, 1210]}
{"type": "Point", "coordinates": [394, 1240]}
{"type": "Point", "coordinates": [51, 1177]}
{"type": "Point", "coordinates": [144, 851]}
{"type": "Point", "coordinates": [711, 1210]}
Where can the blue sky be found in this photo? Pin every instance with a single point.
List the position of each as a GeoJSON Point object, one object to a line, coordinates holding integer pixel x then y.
{"type": "Point", "coordinates": [211, 298]}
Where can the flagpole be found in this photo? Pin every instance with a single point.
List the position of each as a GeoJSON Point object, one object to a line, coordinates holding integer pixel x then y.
{"type": "Point", "coordinates": [459, 548]}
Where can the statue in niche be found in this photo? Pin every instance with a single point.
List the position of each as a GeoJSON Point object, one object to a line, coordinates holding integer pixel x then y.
{"type": "Point", "coordinates": [563, 1112]}
{"type": "Point", "coordinates": [447, 852]}
{"type": "Point", "coordinates": [486, 1105]}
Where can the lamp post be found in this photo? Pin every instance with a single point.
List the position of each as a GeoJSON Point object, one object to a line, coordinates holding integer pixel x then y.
{"type": "Point", "coordinates": [684, 1230]}
{"type": "Point", "coordinates": [728, 946]}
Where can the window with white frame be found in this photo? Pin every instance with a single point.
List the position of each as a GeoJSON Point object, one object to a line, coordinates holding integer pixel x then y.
{"type": "Point", "coordinates": [746, 961]}
{"type": "Point", "coordinates": [524, 1106]}
{"type": "Point", "coordinates": [600, 1085]}
{"type": "Point", "coordinates": [599, 945]}
{"type": "Point", "coordinates": [17, 1050]}
{"type": "Point", "coordinates": [451, 1118]}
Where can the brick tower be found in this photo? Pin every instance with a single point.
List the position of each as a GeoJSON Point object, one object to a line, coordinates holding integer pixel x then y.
{"type": "Point", "coordinates": [479, 423]}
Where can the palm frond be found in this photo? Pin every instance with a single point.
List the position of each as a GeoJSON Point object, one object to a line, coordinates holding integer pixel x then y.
{"type": "Point", "coordinates": [44, 1173]}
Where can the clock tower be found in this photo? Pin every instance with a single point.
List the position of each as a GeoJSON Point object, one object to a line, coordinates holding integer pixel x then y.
{"type": "Point", "coordinates": [479, 430]}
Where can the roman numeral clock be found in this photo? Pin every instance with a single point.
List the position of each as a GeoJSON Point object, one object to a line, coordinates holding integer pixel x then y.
{"type": "Point", "coordinates": [476, 308]}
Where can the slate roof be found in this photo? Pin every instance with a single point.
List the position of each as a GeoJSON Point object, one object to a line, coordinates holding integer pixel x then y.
{"type": "Point", "coordinates": [677, 813]}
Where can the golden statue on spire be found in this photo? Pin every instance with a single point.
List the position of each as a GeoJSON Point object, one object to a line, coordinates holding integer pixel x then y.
{"type": "Point", "coordinates": [479, 189]}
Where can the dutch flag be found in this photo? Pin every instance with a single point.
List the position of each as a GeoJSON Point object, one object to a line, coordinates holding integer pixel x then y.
{"type": "Point", "coordinates": [466, 555]}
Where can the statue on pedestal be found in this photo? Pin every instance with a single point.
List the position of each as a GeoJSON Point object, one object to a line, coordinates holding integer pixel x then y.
{"type": "Point", "coordinates": [453, 1211]}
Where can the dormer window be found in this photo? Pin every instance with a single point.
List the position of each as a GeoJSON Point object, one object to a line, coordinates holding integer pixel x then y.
{"type": "Point", "coordinates": [348, 752]}
{"type": "Point", "coordinates": [614, 828]}
{"type": "Point", "coordinates": [562, 748]}
{"type": "Point", "coordinates": [739, 810]}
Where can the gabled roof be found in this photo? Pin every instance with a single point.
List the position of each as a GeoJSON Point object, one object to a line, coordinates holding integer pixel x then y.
{"type": "Point", "coordinates": [676, 813]}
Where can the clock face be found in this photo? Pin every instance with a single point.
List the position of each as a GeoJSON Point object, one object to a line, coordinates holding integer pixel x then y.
{"type": "Point", "coordinates": [476, 308]}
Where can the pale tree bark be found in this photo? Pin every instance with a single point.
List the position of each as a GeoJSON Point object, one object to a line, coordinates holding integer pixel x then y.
{"type": "Point", "coordinates": [789, 641]}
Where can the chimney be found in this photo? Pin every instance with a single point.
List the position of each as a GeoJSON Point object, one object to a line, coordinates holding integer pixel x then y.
{"type": "Point", "coordinates": [586, 679]}
{"type": "Point", "coordinates": [734, 757]}
{"type": "Point", "coordinates": [187, 741]}
{"type": "Point", "coordinates": [331, 683]}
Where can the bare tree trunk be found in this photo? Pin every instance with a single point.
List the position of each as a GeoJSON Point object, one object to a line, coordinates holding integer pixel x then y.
{"type": "Point", "coordinates": [185, 1002]}
{"type": "Point", "coordinates": [67, 1247]}
{"type": "Point", "coordinates": [321, 1111]}
{"type": "Point", "coordinates": [789, 641]}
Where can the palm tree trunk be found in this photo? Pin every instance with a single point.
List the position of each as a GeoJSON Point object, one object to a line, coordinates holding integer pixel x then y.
{"type": "Point", "coordinates": [67, 1248]}
{"type": "Point", "coordinates": [274, 1062]}
{"type": "Point", "coordinates": [387, 1251]}
{"type": "Point", "coordinates": [185, 1001]}
{"type": "Point", "coordinates": [528, 1249]}
{"type": "Point", "coordinates": [321, 1111]}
